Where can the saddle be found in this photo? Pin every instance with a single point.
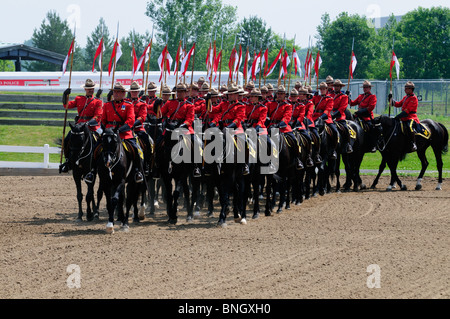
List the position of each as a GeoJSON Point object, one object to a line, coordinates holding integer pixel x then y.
{"type": "Point", "coordinates": [420, 130]}
{"type": "Point", "coordinates": [363, 124]}
{"type": "Point", "coordinates": [130, 150]}
{"type": "Point", "coordinates": [351, 131]}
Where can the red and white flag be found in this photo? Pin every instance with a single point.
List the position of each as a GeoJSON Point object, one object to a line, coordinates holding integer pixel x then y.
{"type": "Point", "coordinates": [232, 62]}
{"type": "Point", "coordinates": [274, 63]}
{"type": "Point", "coordinates": [247, 58]}
{"type": "Point", "coordinates": [285, 63]}
{"type": "Point", "coordinates": [117, 53]}
{"type": "Point", "coordinates": [352, 64]}
{"type": "Point", "coordinates": [265, 61]}
{"type": "Point", "coordinates": [66, 60]}
{"type": "Point", "coordinates": [394, 61]}
{"type": "Point", "coordinates": [217, 63]}
{"type": "Point", "coordinates": [100, 50]}
{"type": "Point", "coordinates": [164, 62]}
{"type": "Point", "coordinates": [177, 60]}
{"type": "Point", "coordinates": [317, 64]}
{"type": "Point", "coordinates": [144, 58]}
{"type": "Point", "coordinates": [297, 65]}
{"type": "Point", "coordinates": [134, 66]}
{"type": "Point", "coordinates": [185, 61]}
{"type": "Point", "coordinates": [238, 60]}
{"type": "Point", "coordinates": [255, 66]}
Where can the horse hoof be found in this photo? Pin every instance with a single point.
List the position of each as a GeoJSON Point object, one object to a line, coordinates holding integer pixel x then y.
{"type": "Point", "coordinates": [238, 219]}
{"type": "Point", "coordinates": [90, 217]}
{"type": "Point", "coordinates": [268, 214]}
{"type": "Point", "coordinates": [362, 186]}
{"type": "Point", "coordinates": [190, 219]}
{"type": "Point", "coordinates": [222, 224]}
{"type": "Point", "coordinates": [279, 210]}
{"type": "Point", "coordinates": [209, 214]}
{"type": "Point", "coordinates": [439, 187]}
{"type": "Point", "coordinates": [404, 188]}
{"type": "Point", "coordinates": [79, 219]}
{"type": "Point", "coordinates": [255, 216]}
{"type": "Point", "coordinates": [125, 228]}
{"type": "Point", "coordinates": [96, 216]}
{"type": "Point", "coordinates": [389, 188]}
{"type": "Point", "coordinates": [141, 214]}
{"type": "Point", "coordinates": [243, 221]}
{"type": "Point", "coordinates": [156, 204]}
{"type": "Point", "coordinates": [110, 228]}
{"type": "Point", "coordinates": [197, 213]}
{"type": "Point", "coordinates": [172, 221]}
{"type": "Point", "coordinates": [288, 207]}
{"type": "Point", "coordinates": [298, 203]}
{"type": "Point", "coordinates": [418, 187]}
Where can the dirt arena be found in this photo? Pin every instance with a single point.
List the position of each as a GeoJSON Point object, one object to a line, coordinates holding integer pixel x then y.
{"type": "Point", "coordinates": [337, 246]}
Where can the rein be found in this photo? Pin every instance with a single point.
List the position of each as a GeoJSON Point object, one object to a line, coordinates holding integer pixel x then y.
{"type": "Point", "coordinates": [381, 149]}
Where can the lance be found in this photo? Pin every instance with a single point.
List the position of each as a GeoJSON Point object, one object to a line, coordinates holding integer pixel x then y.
{"type": "Point", "coordinates": [239, 58]}
{"type": "Point", "coordinates": [351, 60]}
{"type": "Point", "coordinates": [285, 46]}
{"type": "Point", "coordinates": [281, 64]}
{"type": "Point", "coordinates": [148, 62]}
{"type": "Point", "coordinates": [310, 60]}
{"type": "Point", "coordinates": [292, 62]}
{"type": "Point", "coordinates": [267, 64]}
{"type": "Point", "coordinates": [115, 57]}
{"type": "Point", "coordinates": [260, 64]}
{"type": "Point", "coordinates": [184, 50]}
{"type": "Point", "coordinates": [390, 90]}
{"type": "Point", "coordinates": [193, 62]}
{"type": "Point", "coordinates": [246, 66]}
{"type": "Point", "coordinates": [232, 58]}
{"type": "Point", "coordinates": [101, 62]}
{"type": "Point", "coordinates": [220, 63]}
{"type": "Point", "coordinates": [65, 105]}
{"type": "Point", "coordinates": [133, 53]}
{"type": "Point", "coordinates": [178, 58]}
{"type": "Point", "coordinates": [318, 69]}
{"type": "Point", "coordinates": [164, 65]}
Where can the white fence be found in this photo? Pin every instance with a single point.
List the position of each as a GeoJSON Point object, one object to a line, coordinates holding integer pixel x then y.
{"type": "Point", "coordinates": [46, 150]}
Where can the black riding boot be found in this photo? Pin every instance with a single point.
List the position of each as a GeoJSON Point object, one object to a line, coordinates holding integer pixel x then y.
{"type": "Point", "coordinates": [412, 138]}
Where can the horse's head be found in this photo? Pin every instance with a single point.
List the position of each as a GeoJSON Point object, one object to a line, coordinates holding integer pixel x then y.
{"type": "Point", "coordinates": [111, 146]}
{"type": "Point", "coordinates": [319, 124]}
{"type": "Point", "coordinates": [79, 138]}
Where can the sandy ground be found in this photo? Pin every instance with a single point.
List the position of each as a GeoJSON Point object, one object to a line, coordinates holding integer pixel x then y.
{"type": "Point", "coordinates": [321, 249]}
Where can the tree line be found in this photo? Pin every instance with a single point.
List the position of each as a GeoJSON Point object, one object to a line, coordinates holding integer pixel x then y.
{"type": "Point", "coordinates": [420, 40]}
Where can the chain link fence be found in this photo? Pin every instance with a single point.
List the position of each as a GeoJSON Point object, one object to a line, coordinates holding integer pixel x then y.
{"type": "Point", "coordinates": [432, 94]}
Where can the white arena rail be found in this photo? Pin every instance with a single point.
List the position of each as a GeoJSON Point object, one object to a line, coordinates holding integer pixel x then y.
{"type": "Point", "coordinates": [46, 150]}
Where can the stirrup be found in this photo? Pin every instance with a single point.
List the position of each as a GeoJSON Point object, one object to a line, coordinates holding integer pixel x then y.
{"type": "Point", "coordinates": [299, 164]}
{"type": "Point", "coordinates": [197, 172]}
{"type": "Point", "coordinates": [138, 177]}
{"type": "Point", "coordinates": [245, 170]}
{"type": "Point", "coordinates": [309, 162]}
{"type": "Point", "coordinates": [334, 155]}
{"type": "Point", "coordinates": [318, 159]}
{"type": "Point", "coordinates": [89, 178]}
{"type": "Point", "coordinates": [349, 149]}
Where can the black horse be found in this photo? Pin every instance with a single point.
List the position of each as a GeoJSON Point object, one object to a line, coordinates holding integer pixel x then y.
{"type": "Point", "coordinates": [80, 148]}
{"type": "Point", "coordinates": [114, 164]}
{"type": "Point", "coordinates": [393, 140]}
{"type": "Point", "coordinates": [172, 167]}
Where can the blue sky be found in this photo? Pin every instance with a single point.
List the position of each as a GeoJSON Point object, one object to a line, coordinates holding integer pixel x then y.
{"type": "Point", "coordinates": [292, 17]}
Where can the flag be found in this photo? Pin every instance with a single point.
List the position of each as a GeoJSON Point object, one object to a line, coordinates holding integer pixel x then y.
{"type": "Point", "coordinates": [144, 58]}
{"type": "Point", "coordinates": [66, 60]}
{"type": "Point", "coordinates": [164, 62]}
{"type": "Point", "coordinates": [231, 62]}
{"type": "Point", "coordinates": [217, 63]}
{"type": "Point", "coordinates": [307, 65]}
{"type": "Point", "coordinates": [247, 58]}
{"type": "Point", "coordinates": [394, 61]}
{"type": "Point", "coordinates": [255, 66]}
{"type": "Point", "coordinates": [117, 53]}
{"type": "Point", "coordinates": [177, 60]}
{"type": "Point", "coordinates": [297, 65]}
{"type": "Point", "coordinates": [100, 50]}
{"type": "Point", "coordinates": [352, 64]}
{"type": "Point", "coordinates": [238, 60]}
{"type": "Point", "coordinates": [274, 63]}
{"type": "Point", "coordinates": [317, 64]}
{"type": "Point", "coordinates": [285, 63]}
{"type": "Point", "coordinates": [210, 58]}
{"type": "Point", "coordinates": [135, 63]}
{"type": "Point", "coordinates": [186, 59]}
{"type": "Point", "coordinates": [265, 61]}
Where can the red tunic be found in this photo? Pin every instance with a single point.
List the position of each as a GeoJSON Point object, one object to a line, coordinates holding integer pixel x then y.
{"type": "Point", "coordinates": [88, 108]}
{"type": "Point", "coordinates": [309, 110]}
{"type": "Point", "coordinates": [409, 104]}
{"type": "Point", "coordinates": [366, 101]}
{"type": "Point", "coordinates": [299, 114]}
{"type": "Point", "coordinates": [323, 104]}
{"type": "Point", "coordinates": [140, 111]}
{"type": "Point", "coordinates": [280, 112]}
{"type": "Point", "coordinates": [150, 103]}
{"type": "Point", "coordinates": [180, 111]}
{"type": "Point", "coordinates": [340, 104]}
{"type": "Point", "coordinates": [256, 115]}
{"type": "Point", "coordinates": [232, 113]}
{"type": "Point", "coordinates": [118, 114]}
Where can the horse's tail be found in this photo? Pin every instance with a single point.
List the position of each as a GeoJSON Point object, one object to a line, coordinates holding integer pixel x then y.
{"type": "Point", "coordinates": [444, 139]}
{"type": "Point", "coordinates": [58, 141]}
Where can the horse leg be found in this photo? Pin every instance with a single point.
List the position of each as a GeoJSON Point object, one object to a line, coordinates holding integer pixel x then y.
{"type": "Point", "coordinates": [282, 191]}
{"type": "Point", "coordinates": [110, 207]}
{"type": "Point", "coordinates": [439, 164]}
{"type": "Point", "coordinates": [90, 201]}
{"type": "Point", "coordinates": [189, 199]}
{"type": "Point", "coordinates": [151, 193]}
{"type": "Point", "coordinates": [423, 160]}
{"type": "Point", "coordinates": [77, 180]}
{"type": "Point", "coordinates": [380, 170]}
{"type": "Point", "coordinates": [255, 184]}
{"type": "Point", "coordinates": [224, 193]}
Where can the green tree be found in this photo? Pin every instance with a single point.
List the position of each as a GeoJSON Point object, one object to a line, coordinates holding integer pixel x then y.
{"type": "Point", "coordinates": [92, 44]}
{"type": "Point", "coordinates": [424, 43]}
{"type": "Point", "coordinates": [335, 42]}
{"type": "Point", "coordinates": [53, 35]}
{"type": "Point", "coordinates": [190, 20]}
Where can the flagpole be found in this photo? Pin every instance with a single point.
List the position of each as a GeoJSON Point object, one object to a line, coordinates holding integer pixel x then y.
{"type": "Point", "coordinates": [115, 57]}
{"type": "Point", "coordinates": [220, 63]}
{"type": "Point", "coordinates": [267, 64]}
{"type": "Point", "coordinates": [390, 91]}
{"type": "Point", "coordinates": [232, 58]}
{"type": "Point", "coordinates": [292, 61]}
{"type": "Point", "coordinates": [350, 68]}
{"type": "Point", "coordinates": [148, 62]}
{"type": "Point", "coordinates": [178, 60]}
{"type": "Point", "coordinates": [101, 61]}
{"type": "Point", "coordinates": [260, 65]}
{"type": "Point", "coordinates": [193, 65]}
{"type": "Point", "coordinates": [65, 106]}
{"type": "Point", "coordinates": [318, 69]}
{"type": "Point", "coordinates": [284, 83]}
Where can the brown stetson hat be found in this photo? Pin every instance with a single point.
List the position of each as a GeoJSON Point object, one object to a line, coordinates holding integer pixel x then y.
{"type": "Point", "coordinates": [281, 89]}
{"type": "Point", "coordinates": [119, 87]}
{"type": "Point", "coordinates": [255, 92]}
{"type": "Point", "coordinates": [134, 87]}
{"type": "Point", "coordinates": [231, 89]}
{"type": "Point", "coordinates": [323, 85]}
{"type": "Point", "coordinates": [89, 84]}
{"type": "Point", "coordinates": [303, 90]}
{"type": "Point", "coordinates": [367, 84]}
{"type": "Point", "coordinates": [338, 83]}
{"type": "Point", "coordinates": [166, 90]}
{"type": "Point", "coordinates": [293, 92]}
{"type": "Point", "coordinates": [329, 79]}
{"type": "Point", "coordinates": [152, 86]}
{"type": "Point", "coordinates": [409, 85]}
{"type": "Point", "coordinates": [205, 87]}
{"type": "Point", "coordinates": [180, 87]}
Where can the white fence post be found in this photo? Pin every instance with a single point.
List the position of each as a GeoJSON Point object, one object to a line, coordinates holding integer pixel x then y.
{"type": "Point", "coordinates": [46, 150]}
